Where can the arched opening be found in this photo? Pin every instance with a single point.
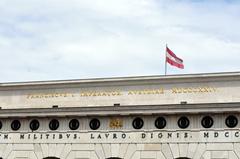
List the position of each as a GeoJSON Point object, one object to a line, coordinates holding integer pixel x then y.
{"type": "Point", "coordinates": [114, 158]}
{"type": "Point", "coordinates": [51, 158]}
{"type": "Point", "coordinates": [182, 158]}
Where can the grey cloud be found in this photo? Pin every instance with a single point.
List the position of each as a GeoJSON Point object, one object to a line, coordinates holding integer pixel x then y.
{"type": "Point", "coordinates": [42, 40]}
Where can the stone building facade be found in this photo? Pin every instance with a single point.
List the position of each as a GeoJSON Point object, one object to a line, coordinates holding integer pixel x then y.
{"type": "Point", "coordinates": [151, 117]}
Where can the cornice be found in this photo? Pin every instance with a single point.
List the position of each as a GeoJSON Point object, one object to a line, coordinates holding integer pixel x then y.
{"type": "Point", "coordinates": [123, 81]}
{"type": "Point", "coordinates": [206, 108]}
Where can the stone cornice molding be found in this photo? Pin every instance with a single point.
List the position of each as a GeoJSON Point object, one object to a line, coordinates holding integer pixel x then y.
{"type": "Point", "coordinates": [123, 81]}
{"type": "Point", "coordinates": [206, 108]}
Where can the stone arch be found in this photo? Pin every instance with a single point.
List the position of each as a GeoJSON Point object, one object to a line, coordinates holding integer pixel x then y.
{"type": "Point", "coordinates": [51, 158]}
{"type": "Point", "coordinates": [114, 158]}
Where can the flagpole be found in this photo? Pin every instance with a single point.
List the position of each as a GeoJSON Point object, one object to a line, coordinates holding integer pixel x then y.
{"type": "Point", "coordinates": [166, 60]}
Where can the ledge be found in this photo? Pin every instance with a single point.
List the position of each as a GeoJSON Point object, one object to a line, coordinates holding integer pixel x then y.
{"type": "Point", "coordinates": [209, 108]}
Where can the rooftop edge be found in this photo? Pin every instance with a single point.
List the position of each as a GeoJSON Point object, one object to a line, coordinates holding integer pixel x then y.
{"type": "Point", "coordinates": [122, 79]}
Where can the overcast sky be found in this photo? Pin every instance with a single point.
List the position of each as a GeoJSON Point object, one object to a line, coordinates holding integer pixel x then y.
{"type": "Point", "coordinates": [75, 39]}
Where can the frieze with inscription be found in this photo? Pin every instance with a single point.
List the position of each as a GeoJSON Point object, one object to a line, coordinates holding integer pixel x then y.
{"type": "Point", "coordinates": [159, 91]}
{"type": "Point", "coordinates": [123, 137]}
{"type": "Point", "coordinates": [87, 96]}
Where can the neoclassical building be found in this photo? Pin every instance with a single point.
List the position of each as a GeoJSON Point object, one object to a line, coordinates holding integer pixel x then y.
{"type": "Point", "coordinates": [150, 117]}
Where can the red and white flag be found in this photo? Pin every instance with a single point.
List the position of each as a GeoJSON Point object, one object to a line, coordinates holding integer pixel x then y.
{"type": "Point", "coordinates": [173, 60]}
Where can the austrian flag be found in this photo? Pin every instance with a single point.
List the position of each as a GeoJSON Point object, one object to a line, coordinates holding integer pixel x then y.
{"type": "Point", "coordinates": [173, 60]}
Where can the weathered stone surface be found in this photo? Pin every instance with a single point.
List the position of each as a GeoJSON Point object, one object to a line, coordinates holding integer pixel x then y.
{"type": "Point", "coordinates": [166, 150]}
{"type": "Point", "coordinates": [148, 154]}
{"type": "Point", "coordinates": [183, 150]}
{"type": "Point", "coordinates": [232, 155]}
{"type": "Point", "coordinates": [220, 154]}
{"type": "Point", "coordinates": [201, 148]}
{"type": "Point", "coordinates": [192, 148]}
